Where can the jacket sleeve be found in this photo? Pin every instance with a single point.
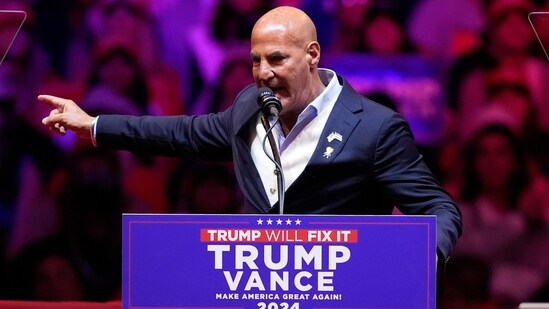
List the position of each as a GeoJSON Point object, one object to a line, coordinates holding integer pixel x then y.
{"type": "Point", "coordinates": [206, 136]}
{"type": "Point", "coordinates": [400, 168]}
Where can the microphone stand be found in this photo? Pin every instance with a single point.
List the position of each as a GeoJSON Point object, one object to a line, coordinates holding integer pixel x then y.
{"type": "Point", "coordinates": [276, 160]}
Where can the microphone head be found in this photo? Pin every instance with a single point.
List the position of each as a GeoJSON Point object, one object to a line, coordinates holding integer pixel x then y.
{"type": "Point", "coordinates": [264, 95]}
{"type": "Point", "coordinates": [269, 103]}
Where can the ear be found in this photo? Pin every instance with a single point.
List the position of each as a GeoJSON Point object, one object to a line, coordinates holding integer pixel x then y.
{"type": "Point", "coordinates": [313, 53]}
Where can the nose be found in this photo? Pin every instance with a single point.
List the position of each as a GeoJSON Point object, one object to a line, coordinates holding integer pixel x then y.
{"type": "Point", "coordinates": [264, 72]}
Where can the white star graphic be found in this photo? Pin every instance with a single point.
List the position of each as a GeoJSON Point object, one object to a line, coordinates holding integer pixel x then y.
{"type": "Point", "coordinates": [297, 222]}
{"type": "Point", "coordinates": [269, 222]}
{"type": "Point", "coordinates": [278, 222]}
{"type": "Point", "coordinates": [259, 221]}
{"type": "Point", "coordinates": [288, 222]}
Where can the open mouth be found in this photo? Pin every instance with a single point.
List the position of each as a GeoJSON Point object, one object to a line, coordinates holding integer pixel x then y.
{"type": "Point", "coordinates": [276, 91]}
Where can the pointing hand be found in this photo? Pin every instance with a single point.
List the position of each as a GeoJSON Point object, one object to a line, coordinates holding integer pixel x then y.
{"type": "Point", "coordinates": [66, 115]}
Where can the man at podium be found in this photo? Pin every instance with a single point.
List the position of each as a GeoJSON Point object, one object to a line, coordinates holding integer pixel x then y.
{"type": "Point", "coordinates": [340, 152]}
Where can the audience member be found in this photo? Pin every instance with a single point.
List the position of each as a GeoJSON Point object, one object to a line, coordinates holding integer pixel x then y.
{"type": "Point", "coordinates": [411, 79]}
{"type": "Point", "coordinates": [383, 32]}
{"type": "Point", "coordinates": [467, 285]}
{"type": "Point", "coordinates": [174, 21]}
{"type": "Point", "coordinates": [81, 259]}
{"type": "Point", "coordinates": [513, 96]}
{"type": "Point", "coordinates": [439, 30]}
{"type": "Point", "coordinates": [226, 34]}
{"type": "Point", "coordinates": [127, 21]}
{"type": "Point", "coordinates": [90, 204]}
{"type": "Point", "coordinates": [213, 190]}
{"type": "Point", "coordinates": [203, 187]}
{"type": "Point", "coordinates": [131, 23]}
{"type": "Point", "coordinates": [494, 177]}
{"type": "Point", "coordinates": [54, 27]}
{"type": "Point", "coordinates": [349, 16]}
{"type": "Point", "coordinates": [117, 83]}
{"type": "Point", "coordinates": [234, 76]}
{"type": "Point", "coordinates": [507, 98]}
{"type": "Point", "coordinates": [46, 272]}
{"type": "Point", "coordinates": [494, 181]}
{"type": "Point", "coordinates": [507, 51]}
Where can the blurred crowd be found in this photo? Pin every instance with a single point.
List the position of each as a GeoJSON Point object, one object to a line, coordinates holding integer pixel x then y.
{"type": "Point", "coordinates": [61, 199]}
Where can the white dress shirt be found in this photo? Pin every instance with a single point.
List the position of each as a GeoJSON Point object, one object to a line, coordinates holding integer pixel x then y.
{"type": "Point", "coordinates": [298, 146]}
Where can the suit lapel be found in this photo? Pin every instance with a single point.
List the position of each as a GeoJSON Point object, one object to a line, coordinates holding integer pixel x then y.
{"type": "Point", "coordinates": [339, 127]}
{"type": "Point", "coordinates": [250, 181]}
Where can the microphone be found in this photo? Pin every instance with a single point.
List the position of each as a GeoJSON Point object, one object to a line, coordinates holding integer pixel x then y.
{"type": "Point", "coordinates": [270, 105]}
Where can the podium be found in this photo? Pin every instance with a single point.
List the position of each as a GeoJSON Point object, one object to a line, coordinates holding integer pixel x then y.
{"type": "Point", "coordinates": [278, 262]}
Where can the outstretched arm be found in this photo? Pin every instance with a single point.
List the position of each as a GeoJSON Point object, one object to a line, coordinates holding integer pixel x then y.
{"type": "Point", "coordinates": [67, 115]}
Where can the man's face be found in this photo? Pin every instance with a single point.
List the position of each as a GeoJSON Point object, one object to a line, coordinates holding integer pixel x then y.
{"type": "Point", "coordinates": [282, 63]}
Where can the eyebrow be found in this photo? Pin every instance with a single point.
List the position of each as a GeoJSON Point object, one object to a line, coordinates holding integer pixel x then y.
{"type": "Point", "coordinates": [276, 53]}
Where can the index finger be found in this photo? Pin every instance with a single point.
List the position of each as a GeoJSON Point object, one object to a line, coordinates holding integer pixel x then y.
{"type": "Point", "coordinates": [52, 100]}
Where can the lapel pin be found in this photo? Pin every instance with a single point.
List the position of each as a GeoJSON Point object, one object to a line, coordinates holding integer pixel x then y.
{"type": "Point", "coordinates": [336, 136]}
{"type": "Point", "coordinates": [328, 152]}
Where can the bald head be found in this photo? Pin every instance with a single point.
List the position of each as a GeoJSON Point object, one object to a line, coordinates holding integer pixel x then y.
{"type": "Point", "coordinates": [288, 20]}
{"type": "Point", "coordinates": [285, 56]}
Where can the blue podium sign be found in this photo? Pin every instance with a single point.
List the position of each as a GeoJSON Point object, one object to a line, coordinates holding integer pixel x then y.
{"type": "Point", "coordinates": [278, 262]}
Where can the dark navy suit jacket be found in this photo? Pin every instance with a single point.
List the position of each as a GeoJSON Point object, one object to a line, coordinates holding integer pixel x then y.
{"type": "Point", "coordinates": [374, 167]}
